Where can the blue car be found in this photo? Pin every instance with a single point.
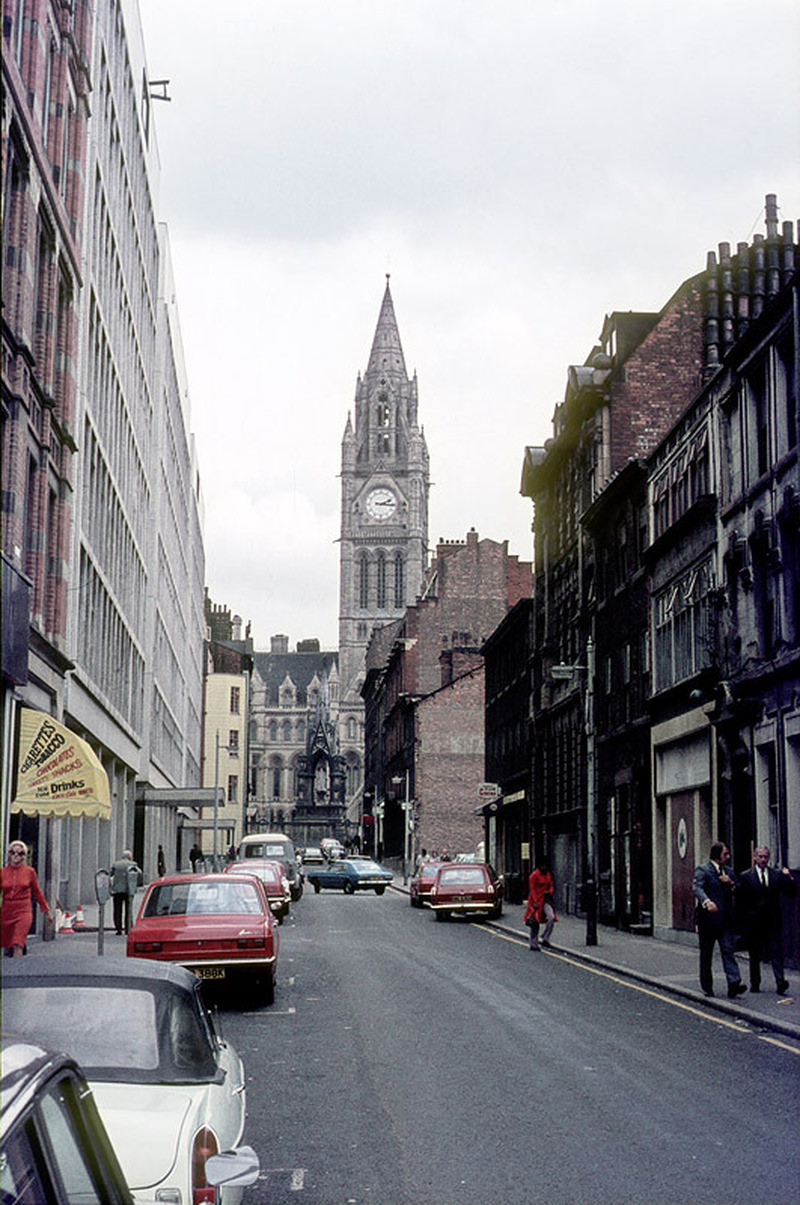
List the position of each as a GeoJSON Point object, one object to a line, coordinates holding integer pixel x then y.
{"type": "Point", "coordinates": [347, 876]}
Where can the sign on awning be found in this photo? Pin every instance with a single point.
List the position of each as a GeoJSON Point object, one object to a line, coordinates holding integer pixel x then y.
{"type": "Point", "coordinates": [59, 773]}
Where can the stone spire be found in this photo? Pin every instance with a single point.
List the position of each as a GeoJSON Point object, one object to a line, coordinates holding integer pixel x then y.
{"type": "Point", "coordinates": [386, 358]}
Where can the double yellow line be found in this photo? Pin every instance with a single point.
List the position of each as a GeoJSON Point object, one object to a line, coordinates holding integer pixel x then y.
{"type": "Point", "coordinates": [703, 1014]}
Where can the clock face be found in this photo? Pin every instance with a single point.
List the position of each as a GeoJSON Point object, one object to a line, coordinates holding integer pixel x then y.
{"type": "Point", "coordinates": [381, 504]}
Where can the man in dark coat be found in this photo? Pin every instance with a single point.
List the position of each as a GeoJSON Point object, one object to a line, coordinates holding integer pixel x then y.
{"type": "Point", "coordinates": [714, 885]}
{"type": "Point", "coordinates": [759, 899]}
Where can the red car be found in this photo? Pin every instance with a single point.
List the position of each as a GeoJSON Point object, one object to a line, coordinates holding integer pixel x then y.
{"type": "Point", "coordinates": [218, 925]}
{"type": "Point", "coordinates": [464, 888]}
{"type": "Point", "coordinates": [419, 887]}
{"type": "Point", "coordinates": [274, 880]}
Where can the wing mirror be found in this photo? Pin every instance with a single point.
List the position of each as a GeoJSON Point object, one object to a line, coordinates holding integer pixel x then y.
{"type": "Point", "coordinates": [238, 1167]}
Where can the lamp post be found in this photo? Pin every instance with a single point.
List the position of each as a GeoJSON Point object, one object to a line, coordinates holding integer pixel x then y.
{"type": "Point", "coordinates": [565, 673]}
{"type": "Point", "coordinates": [217, 748]}
{"type": "Point", "coordinates": [406, 805]}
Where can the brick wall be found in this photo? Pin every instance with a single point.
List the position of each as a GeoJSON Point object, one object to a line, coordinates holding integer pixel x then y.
{"type": "Point", "coordinates": [450, 766]}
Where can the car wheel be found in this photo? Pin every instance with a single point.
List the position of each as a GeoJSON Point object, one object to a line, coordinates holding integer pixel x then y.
{"type": "Point", "coordinates": [496, 911]}
{"type": "Point", "coordinates": [316, 887]}
{"type": "Point", "coordinates": [348, 888]}
{"type": "Point", "coordinates": [379, 890]}
{"type": "Point", "coordinates": [442, 915]}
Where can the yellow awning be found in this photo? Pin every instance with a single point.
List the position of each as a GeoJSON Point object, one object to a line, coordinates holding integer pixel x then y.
{"type": "Point", "coordinates": [59, 773]}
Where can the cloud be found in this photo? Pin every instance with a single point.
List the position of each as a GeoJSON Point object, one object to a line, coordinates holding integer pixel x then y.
{"type": "Point", "coordinates": [521, 169]}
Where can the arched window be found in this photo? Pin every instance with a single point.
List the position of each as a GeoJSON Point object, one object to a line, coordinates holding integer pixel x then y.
{"type": "Point", "coordinates": [276, 773]}
{"type": "Point", "coordinates": [399, 582]}
{"type": "Point", "coordinates": [287, 730]}
{"type": "Point", "coordinates": [351, 729]}
{"type": "Point", "coordinates": [381, 581]}
{"type": "Point", "coordinates": [300, 732]}
{"type": "Point", "coordinates": [363, 582]}
{"type": "Point", "coordinates": [273, 730]}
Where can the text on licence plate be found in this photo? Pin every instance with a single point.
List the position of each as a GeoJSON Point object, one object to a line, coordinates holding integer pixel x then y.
{"type": "Point", "coordinates": [210, 972]}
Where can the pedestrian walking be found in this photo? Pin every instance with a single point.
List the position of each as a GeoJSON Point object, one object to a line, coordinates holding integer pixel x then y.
{"type": "Point", "coordinates": [714, 885]}
{"type": "Point", "coordinates": [124, 881]}
{"type": "Point", "coordinates": [19, 887]}
{"type": "Point", "coordinates": [760, 891]}
{"type": "Point", "coordinates": [195, 856]}
{"type": "Point", "coordinates": [161, 862]}
{"type": "Point", "coordinates": [540, 909]}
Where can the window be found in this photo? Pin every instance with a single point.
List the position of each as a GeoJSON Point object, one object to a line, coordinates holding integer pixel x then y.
{"type": "Point", "coordinates": [399, 582]}
{"type": "Point", "coordinates": [235, 699]}
{"type": "Point", "coordinates": [233, 788]}
{"type": "Point", "coordinates": [233, 742]}
{"type": "Point", "coordinates": [381, 581]}
{"type": "Point", "coordinates": [682, 628]}
{"type": "Point", "coordinates": [363, 582]}
{"type": "Point", "coordinates": [351, 729]}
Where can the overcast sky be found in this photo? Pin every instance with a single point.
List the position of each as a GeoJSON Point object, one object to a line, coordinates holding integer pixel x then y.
{"type": "Point", "coordinates": [521, 168]}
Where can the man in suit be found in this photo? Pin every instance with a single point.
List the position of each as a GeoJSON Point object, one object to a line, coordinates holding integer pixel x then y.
{"type": "Point", "coordinates": [761, 889]}
{"type": "Point", "coordinates": [714, 885]}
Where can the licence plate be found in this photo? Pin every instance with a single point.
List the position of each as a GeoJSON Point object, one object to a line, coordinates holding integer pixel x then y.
{"type": "Point", "coordinates": [210, 972]}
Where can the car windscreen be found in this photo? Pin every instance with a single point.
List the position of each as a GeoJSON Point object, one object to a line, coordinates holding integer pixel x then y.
{"type": "Point", "coordinates": [203, 898]}
{"type": "Point", "coordinates": [267, 873]}
{"type": "Point", "coordinates": [115, 1033]}
{"type": "Point", "coordinates": [267, 849]}
{"type": "Point", "coordinates": [462, 874]}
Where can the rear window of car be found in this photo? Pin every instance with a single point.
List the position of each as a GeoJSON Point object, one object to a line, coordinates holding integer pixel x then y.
{"type": "Point", "coordinates": [82, 1020]}
{"type": "Point", "coordinates": [462, 874]}
{"type": "Point", "coordinates": [365, 867]}
{"type": "Point", "coordinates": [203, 899]}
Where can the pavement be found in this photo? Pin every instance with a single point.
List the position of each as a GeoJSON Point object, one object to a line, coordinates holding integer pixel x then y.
{"type": "Point", "coordinates": [667, 966]}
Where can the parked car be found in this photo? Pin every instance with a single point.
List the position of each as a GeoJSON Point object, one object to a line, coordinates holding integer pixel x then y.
{"type": "Point", "coordinates": [273, 879]}
{"type": "Point", "coordinates": [54, 1145]}
{"type": "Point", "coordinates": [274, 847]}
{"type": "Point", "coordinates": [170, 1092]}
{"type": "Point", "coordinates": [331, 848]}
{"type": "Point", "coordinates": [218, 925]}
{"type": "Point", "coordinates": [463, 888]}
{"type": "Point", "coordinates": [312, 856]}
{"type": "Point", "coordinates": [350, 875]}
{"type": "Point", "coordinates": [420, 884]}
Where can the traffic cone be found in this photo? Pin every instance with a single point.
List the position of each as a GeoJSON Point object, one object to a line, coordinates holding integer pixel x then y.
{"type": "Point", "coordinates": [79, 922]}
{"type": "Point", "coordinates": [67, 925]}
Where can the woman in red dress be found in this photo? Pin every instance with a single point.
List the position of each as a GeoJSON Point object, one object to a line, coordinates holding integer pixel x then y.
{"type": "Point", "coordinates": [540, 908]}
{"type": "Point", "coordinates": [19, 886]}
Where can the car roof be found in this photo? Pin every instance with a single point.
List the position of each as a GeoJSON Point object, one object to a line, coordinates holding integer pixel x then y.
{"type": "Point", "coordinates": [166, 983]}
{"type": "Point", "coordinates": [80, 967]}
{"type": "Point", "coordinates": [24, 1064]}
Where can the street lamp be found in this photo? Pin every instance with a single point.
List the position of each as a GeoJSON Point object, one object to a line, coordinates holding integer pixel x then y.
{"type": "Point", "coordinates": [565, 673]}
{"type": "Point", "coordinates": [227, 749]}
{"type": "Point", "coordinates": [406, 805]}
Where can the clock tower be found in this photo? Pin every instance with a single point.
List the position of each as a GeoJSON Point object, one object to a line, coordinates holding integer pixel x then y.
{"type": "Point", "coordinates": [384, 521]}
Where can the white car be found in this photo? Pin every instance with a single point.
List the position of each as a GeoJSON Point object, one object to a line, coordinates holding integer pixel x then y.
{"type": "Point", "coordinates": [170, 1092]}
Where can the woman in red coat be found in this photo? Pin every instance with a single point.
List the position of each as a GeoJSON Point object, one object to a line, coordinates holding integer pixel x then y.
{"type": "Point", "coordinates": [540, 908]}
{"type": "Point", "coordinates": [19, 886]}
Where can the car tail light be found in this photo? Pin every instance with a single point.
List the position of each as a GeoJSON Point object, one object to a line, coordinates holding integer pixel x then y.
{"type": "Point", "coordinates": [250, 943]}
{"type": "Point", "coordinates": [147, 947]}
{"type": "Point", "coordinates": [205, 1145]}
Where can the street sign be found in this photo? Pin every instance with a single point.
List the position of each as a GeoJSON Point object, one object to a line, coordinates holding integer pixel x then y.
{"type": "Point", "coordinates": [489, 790]}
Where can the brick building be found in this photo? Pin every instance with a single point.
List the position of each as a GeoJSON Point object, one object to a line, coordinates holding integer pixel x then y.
{"type": "Point", "coordinates": [507, 657]}
{"type": "Point", "coordinates": [643, 372]}
{"type": "Point", "coordinates": [469, 588]}
{"type": "Point", "coordinates": [724, 563]}
{"type": "Point", "coordinates": [46, 84]}
{"type": "Point", "coordinates": [665, 663]}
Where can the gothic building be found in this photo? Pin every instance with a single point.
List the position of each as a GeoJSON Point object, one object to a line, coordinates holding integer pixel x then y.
{"type": "Point", "coordinates": [384, 519]}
